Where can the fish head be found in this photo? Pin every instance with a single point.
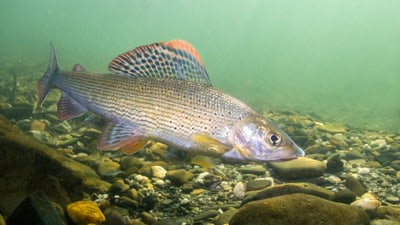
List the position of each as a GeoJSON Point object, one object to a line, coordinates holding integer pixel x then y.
{"type": "Point", "coordinates": [261, 140]}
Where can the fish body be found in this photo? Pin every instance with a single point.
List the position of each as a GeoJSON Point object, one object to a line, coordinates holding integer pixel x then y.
{"type": "Point", "coordinates": [162, 92]}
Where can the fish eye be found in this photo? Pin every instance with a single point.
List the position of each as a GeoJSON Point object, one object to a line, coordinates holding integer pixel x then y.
{"type": "Point", "coordinates": [274, 139]}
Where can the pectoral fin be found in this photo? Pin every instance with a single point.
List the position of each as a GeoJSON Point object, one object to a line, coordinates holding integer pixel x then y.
{"type": "Point", "coordinates": [69, 108]}
{"type": "Point", "coordinates": [209, 144]}
{"type": "Point", "coordinates": [127, 137]}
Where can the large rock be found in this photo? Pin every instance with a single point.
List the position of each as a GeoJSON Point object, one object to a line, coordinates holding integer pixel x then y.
{"type": "Point", "coordinates": [299, 168]}
{"type": "Point", "coordinates": [298, 209]}
{"type": "Point", "coordinates": [288, 188]}
{"type": "Point", "coordinates": [27, 166]}
{"type": "Point", "coordinates": [36, 209]}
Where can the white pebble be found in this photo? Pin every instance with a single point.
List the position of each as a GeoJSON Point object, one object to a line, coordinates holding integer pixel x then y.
{"type": "Point", "coordinates": [334, 179]}
{"type": "Point", "coordinates": [379, 143]}
{"type": "Point", "coordinates": [239, 190]}
{"type": "Point", "coordinates": [158, 171]}
{"type": "Point", "coordinates": [363, 171]}
{"type": "Point", "coordinates": [185, 201]}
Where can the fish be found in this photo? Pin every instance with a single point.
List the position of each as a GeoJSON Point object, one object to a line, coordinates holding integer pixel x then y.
{"type": "Point", "coordinates": [162, 92]}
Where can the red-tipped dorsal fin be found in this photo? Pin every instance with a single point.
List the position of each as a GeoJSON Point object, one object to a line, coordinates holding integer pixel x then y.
{"type": "Point", "coordinates": [172, 59]}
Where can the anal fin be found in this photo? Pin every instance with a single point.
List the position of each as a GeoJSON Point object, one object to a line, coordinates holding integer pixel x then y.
{"type": "Point", "coordinates": [127, 137]}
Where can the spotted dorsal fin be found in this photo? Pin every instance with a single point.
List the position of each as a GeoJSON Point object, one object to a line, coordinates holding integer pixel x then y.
{"type": "Point", "coordinates": [173, 59]}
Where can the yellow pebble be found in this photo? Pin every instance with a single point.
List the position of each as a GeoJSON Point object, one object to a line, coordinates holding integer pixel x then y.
{"type": "Point", "coordinates": [85, 212]}
{"type": "Point", "coordinates": [197, 191]}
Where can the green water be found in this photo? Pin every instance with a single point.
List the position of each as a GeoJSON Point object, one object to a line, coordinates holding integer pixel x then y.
{"type": "Point", "coordinates": [337, 58]}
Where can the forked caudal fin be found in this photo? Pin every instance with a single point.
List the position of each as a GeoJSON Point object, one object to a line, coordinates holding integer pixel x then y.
{"type": "Point", "coordinates": [172, 59]}
{"type": "Point", "coordinates": [44, 85]}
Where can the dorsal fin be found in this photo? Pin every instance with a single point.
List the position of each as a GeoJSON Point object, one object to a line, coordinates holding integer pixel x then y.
{"type": "Point", "coordinates": [172, 59]}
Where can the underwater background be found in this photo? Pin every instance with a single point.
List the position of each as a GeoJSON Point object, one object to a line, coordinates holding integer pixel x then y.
{"type": "Point", "coordinates": [338, 59]}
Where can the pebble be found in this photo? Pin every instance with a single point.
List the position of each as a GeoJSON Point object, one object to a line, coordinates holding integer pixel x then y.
{"type": "Point", "coordinates": [393, 199]}
{"type": "Point", "coordinates": [252, 169]}
{"type": "Point", "coordinates": [85, 212]}
{"type": "Point", "coordinates": [258, 184]}
{"type": "Point", "coordinates": [239, 190]}
{"type": "Point", "coordinates": [158, 171]}
{"type": "Point", "coordinates": [363, 171]}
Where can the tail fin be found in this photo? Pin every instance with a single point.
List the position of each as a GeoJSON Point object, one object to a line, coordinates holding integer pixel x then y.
{"type": "Point", "coordinates": [44, 85]}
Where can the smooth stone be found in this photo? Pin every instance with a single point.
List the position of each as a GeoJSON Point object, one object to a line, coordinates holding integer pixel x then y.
{"type": "Point", "coordinates": [127, 162]}
{"type": "Point", "coordinates": [158, 171]}
{"type": "Point", "coordinates": [179, 176]}
{"type": "Point", "coordinates": [257, 184]}
{"type": "Point", "coordinates": [108, 167]}
{"type": "Point", "coordinates": [172, 221]}
{"type": "Point", "coordinates": [332, 128]}
{"type": "Point", "coordinates": [28, 165]}
{"type": "Point", "coordinates": [147, 170]}
{"type": "Point", "coordinates": [148, 218]}
{"type": "Point", "coordinates": [2, 221]}
{"type": "Point", "coordinates": [35, 209]}
{"type": "Point", "coordinates": [355, 185]}
{"type": "Point", "coordinates": [299, 168]}
{"type": "Point", "coordinates": [252, 169]}
{"type": "Point", "coordinates": [288, 188]}
{"type": "Point", "coordinates": [206, 215]}
{"type": "Point", "coordinates": [225, 217]}
{"type": "Point", "coordinates": [85, 212]}
{"type": "Point", "coordinates": [298, 209]}
{"type": "Point", "coordinates": [345, 197]}
{"type": "Point", "coordinates": [384, 222]}
{"type": "Point", "coordinates": [393, 199]}
{"type": "Point", "coordinates": [398, 175]}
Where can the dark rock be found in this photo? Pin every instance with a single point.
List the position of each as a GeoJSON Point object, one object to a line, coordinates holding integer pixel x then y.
{"type": "Point", "coordinates": [27, 165]}
{"type": "Point", "coordinates": [299, 168]}
{"type": "Point", "coordinates": [35, 209]}
{"type": "Point", "coordinates": [346, 197]}
{"type": "Point", "coordinates": [355, 185]}
{"type": "Point", "coordinates": [334, 164]}
{"type": "Point", "coordinates": [118, 188]}
{"type": "Point", "coordinates": [148, 218]}
{"type": "Point", "coordinates": [126, 202]}
{"type": "Point", "coordinates": [298, 209]}
{"type": "Point", "coordinates": [288, 188]}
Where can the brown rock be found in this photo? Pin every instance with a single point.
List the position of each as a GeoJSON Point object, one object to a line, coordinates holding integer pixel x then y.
{"type": "Point", "coordinates": [288, 188]}
{"type": "Point", "coordinates": [28, 165]}
{"type": "Point", "coordinates": [298, 209]}
{"type": "Point", "coordinates": [299, 168]}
